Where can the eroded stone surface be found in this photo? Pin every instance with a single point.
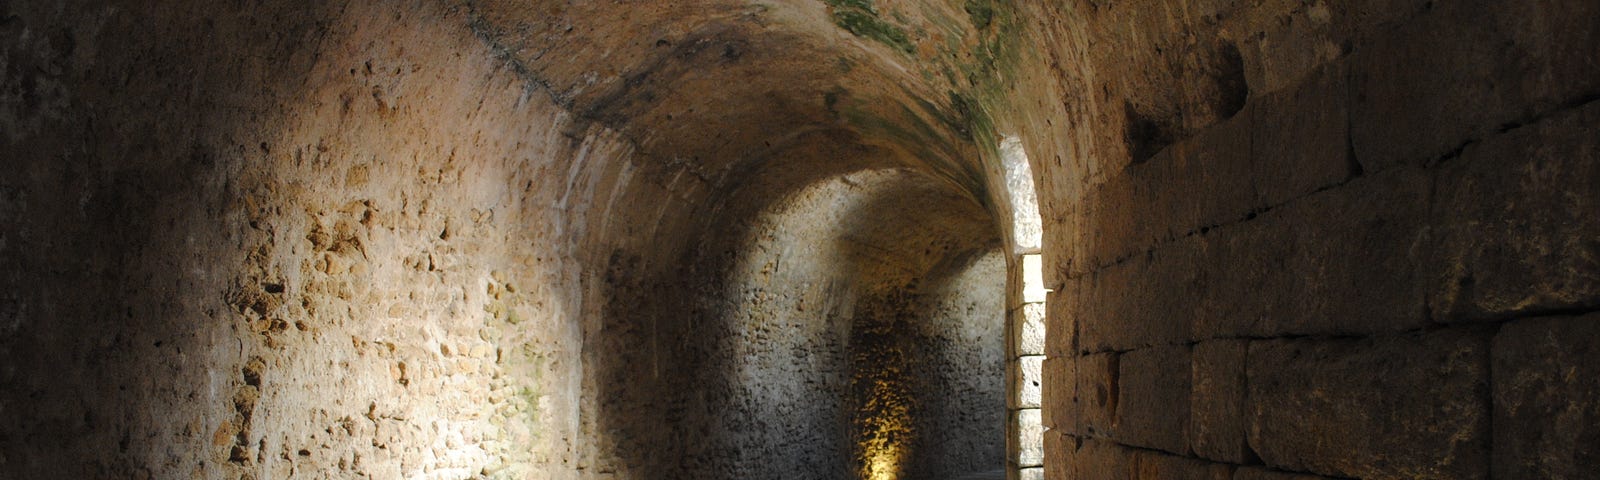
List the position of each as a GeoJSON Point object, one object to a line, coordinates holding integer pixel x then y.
{"type": "Point", "coordinates": [1403, 406]}
{"type": "Point", "coordinates": [1544, 397]}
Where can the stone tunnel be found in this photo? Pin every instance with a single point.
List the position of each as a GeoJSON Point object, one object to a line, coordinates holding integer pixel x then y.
{"type": "Point", "coordinates": [800, 239]}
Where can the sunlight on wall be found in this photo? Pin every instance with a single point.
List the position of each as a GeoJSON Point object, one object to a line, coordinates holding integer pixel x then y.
{"type": "Point", "coordinates": [886, 429]}
{"type": "Point", "coordinates": [883, 421]}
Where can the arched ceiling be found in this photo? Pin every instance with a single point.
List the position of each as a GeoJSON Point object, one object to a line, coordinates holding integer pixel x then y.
{"type": "Point", "coordinates": [727, 88]}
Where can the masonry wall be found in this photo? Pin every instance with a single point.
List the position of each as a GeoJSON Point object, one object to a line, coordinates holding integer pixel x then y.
{"type": "Point", "coordinates": [279, 241]}
{"type": "Point", "coordinates": [1319, 240]}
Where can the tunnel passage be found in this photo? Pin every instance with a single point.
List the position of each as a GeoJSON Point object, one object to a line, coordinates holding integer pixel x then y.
{"type": "Point", "coordinates": [845, 325]}
{"type": "Point", "coordinates": [508, 239]}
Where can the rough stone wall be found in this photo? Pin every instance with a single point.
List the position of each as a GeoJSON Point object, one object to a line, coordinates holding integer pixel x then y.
{"type": "Point", "coordinates": [1330, 239]}
{"type": "Point", "coordinates": [422, 239]}
{"type": "Point", "coordinates": [276, 241]}
{"type": "Point", "coordinates": [771, 337]}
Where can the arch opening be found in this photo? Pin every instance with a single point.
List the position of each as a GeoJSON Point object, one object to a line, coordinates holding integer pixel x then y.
{"type": "Point", "coordinates": [1025, 317]}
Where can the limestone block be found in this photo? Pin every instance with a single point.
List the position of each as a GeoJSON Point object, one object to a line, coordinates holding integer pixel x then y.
{"type": "Point", "coordinates": [1029, 439]}
{"type": "Point", "coordinates": [1216, 403]}
{"type": "Point", "coordinates": [1397, 406]}
{"type": "Point", "coordinates": [1342, 261]}
{"type": "Point", "coordinates": [1146, 300]}
{"type": "Point", "coordinates": [1060, 453]}
{"type": "Point", "coordinates": [1031, 473]}
{"type": "Point", "coordinates": [1258, 473]}
{"type": "Point", "coordinates": [1099, 460]}
{"type": "Point", "coordinates": [1095, 379]}
{"type": "Point", "coordinates": [1299, 141]}
{"type": "Point", "coordinates": [1028, 375]}
{"type": "Point", "coordinates": [1547, 398]}
{"type": "Point", "coordinates": [1153, 403]}
{"type": "Point", "coordinates": [1059, 393]}
{"type": "Point", "coordinates": [1160, 466]}
{"type": "Point", "coordinates": [1463, 69]}
{"type": "Point", "coordinates": [1028, 329]}
{"type": "Point", "coordinates": [1518, 223]}
{"type": "Point", "coordinates": [1199, 182]}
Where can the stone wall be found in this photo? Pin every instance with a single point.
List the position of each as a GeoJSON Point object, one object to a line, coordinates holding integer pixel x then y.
{"type": "Point", "coordinates": [278, 241]}
{"type": "Point", "coordinates": [503, 239]}
{"type": "Point", "coordinates": [1359, 271]}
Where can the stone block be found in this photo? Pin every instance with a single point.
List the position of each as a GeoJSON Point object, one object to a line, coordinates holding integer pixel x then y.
{"type": "Point", "coordinates": [1146, 300]}
{"type": "Point", "coordinates": [1342, 261]}
{"type": "Point", "coordinates": [1518, 225]}
{"type": "Point", "coordinates": [1095, 379]}
{"type": "Point", "coordinates": [1463, 69]}
{"type": "Point", "coordinates": [1061, 317]}
{"type": "Point", "coordinates": [1216, 403]}
{"type": "Point", "coordinates": [1100, 460]}
{"type": "Point", "coordinates": [1060, 453]}
{"type": "Point", "coordinates": [1059, 392]}
{"type": "Point", "coordinates": [1153, 403]}
{"type": "Point", "coordinates": [1029, 377]}
{"type": "Point", "coordinates": [1299, 141]}
{"type": "Point", "coordinates": [1031, 473]}
{"type": "Point", "coordinates": [1159, 466]}
{"type": "Point", "coordinates": [1547, 398]}
{"type": "Point", "coordinates": [1027, 332]}
{"type": "Point", "coordinates": [1029, 439]}
{"type": "Point", "coordinates": [1258, 473]}
{"type": "Point", "coordinates": [1202, 181]}
{"type": "Point", "coordinates": [1396, 406]}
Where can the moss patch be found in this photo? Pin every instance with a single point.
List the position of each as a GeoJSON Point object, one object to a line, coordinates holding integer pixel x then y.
{"type": "Point", "coordinates": [981, 11]}
{"type": "Point", "coordinates": [861, 19]}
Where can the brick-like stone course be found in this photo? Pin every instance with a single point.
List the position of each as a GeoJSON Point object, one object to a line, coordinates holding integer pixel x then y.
{"type": "Point", "coordinates": [1258, 473]}
{"type": "Point", "coordinates": [1342, 261]}
{"type": "Point", "coordinates": [1461, 70]}
{"type": "Point", "coordinates": [1216, 402]}
{"type": "Point", "coordinates": [1518, 223]}
{"type": "Point", "coordinates": [1300, 140]}
{"type": "Point", "coordinates": [1159, 466]}
{"type": "Point", "coordinates": [1095, 377]}
{"type": "Point", "coordinates": [1547, 398]}
{"type": "Point", "coordinates": [1411, 405]}
{"type": "Point", "coordinates": [1153, 403]}
{"type": "Point", "coordinates": [1059, 394]}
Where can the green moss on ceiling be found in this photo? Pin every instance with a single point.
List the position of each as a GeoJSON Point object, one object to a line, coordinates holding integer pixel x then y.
{"type": "Point", "coordinates": [860, 18]}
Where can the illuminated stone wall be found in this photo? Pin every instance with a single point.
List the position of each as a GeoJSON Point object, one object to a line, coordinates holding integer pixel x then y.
{"type": "Point", "coordinates": [629, 240]}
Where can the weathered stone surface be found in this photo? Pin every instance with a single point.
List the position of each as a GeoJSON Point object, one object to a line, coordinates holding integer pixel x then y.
{"type": "Point", "coordinates": [1029, 428]}
{"type": "Point", "coordinates": [1397, 406]}
{"type": "Point", "coordinates": [1217, 402]}
{"type": "Point", "coordinates": [1547, 398]}
{"type": "Point", "coordinates": [1061, 450]}
{"type": "Point", "coordinates": [1060, 317]}
{"type": "Point", "coordinates": [1197, 183]}
{"type": "Point", "coordinates": [1147, 300]}
{"type": "Point", "coordinates": [1517, 221]}
{"type": "Point", "coordinates": [1031, 473]}
{"type": "Point", "coordinates": [1028, 329]}
{"type": "Point", "coordinates": [1342, 261]}
{"type": "Point", "coordinates": [1258, 473]}
{"type": "Point", "coordinates": [1153, 400]}
{"type": "Point", "coordinates": [1460, 70]}
{"type": "Point", "coordinates": [1096, 377]}
{"type": "Point", "coordinates": [1059, 392]}
{"type": "Point", "coordinates": [1098, 460]}
{"type": "Point", "coordinates": [1300, 140]}
{"type": "Point", "coordinates": [1160, 466]}
{"type": "Point", "coordinates": [1030, 370]}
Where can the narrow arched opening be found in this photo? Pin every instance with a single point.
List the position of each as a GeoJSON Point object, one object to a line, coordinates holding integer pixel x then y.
{"type": "Point", "coordinates": [1025, 325]}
